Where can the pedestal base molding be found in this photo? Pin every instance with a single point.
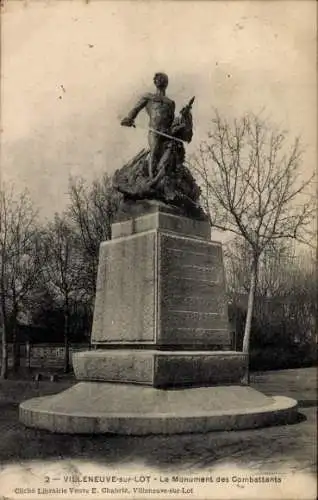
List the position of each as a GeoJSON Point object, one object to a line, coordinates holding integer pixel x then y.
{"type": "Point", "coordinates": [100, 408]}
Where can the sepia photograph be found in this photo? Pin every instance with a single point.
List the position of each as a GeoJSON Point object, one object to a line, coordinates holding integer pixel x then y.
{"type": "Point", "coordinates": [158, 250]}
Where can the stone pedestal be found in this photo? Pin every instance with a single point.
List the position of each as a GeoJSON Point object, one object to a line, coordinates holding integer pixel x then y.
{"type": "Point", "coordinates": [160, 324]}
{"type": "Point", "coordinates": [161, 283]}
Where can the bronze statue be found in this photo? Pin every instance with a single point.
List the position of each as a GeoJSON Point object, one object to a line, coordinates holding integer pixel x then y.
{"type": "Point", "coordinates": [161, 114]}
{"type": "Point", "coordinates": [160, 173]}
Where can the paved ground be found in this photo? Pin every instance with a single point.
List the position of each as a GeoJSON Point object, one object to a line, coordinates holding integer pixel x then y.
{"type": "Point", "coordinates": [291, 447]}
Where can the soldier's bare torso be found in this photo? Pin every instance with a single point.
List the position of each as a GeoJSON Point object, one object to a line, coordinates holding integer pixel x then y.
{"type": "Point", "coordinates": [160, 110]}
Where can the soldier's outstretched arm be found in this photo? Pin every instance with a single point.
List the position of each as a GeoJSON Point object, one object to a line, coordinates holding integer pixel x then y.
{"type": "Point", "coordinates": [128, 121]}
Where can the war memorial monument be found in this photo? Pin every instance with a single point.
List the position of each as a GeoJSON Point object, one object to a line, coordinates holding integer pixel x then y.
{"type": "Point", "coordinates": [160, 360]}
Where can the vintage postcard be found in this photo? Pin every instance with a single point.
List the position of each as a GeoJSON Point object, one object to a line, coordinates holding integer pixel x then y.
{"type": "Point", "coordinates": [158, 250]}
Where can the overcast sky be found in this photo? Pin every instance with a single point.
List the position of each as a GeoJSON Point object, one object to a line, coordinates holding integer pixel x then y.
{"type": "Point", "coordinates": [236, 56]}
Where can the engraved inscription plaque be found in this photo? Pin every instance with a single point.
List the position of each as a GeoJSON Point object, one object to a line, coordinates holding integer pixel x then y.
{"type": "Point", "coordinates": [193, 307]}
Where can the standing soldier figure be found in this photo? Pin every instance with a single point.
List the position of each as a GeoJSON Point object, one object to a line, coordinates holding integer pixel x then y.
{"type": "Point", "coordinates": [160, 110]}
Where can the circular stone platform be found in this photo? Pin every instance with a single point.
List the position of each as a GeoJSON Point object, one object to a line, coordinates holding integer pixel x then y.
{"type": "Point", "coordinates": [97, 408]}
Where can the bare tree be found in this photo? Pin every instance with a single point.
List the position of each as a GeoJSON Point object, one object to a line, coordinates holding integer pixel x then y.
{"type": "Point", "coordinates": [251, 186]}
{"type": "Point", "coordinates": [92, 209]}
{"type": "Point", "coordinates": [5, 246]}
{"type": "Point", "coordinates": [285, 298]}
{"type": "Point", "coordinates": [299, 293]}
{"type": "Point", "coordinates": [63, 269]}
{"type": "Point", "coordinates": [21, 262]}
{"type": "Point", "coordinates": [271, 269]}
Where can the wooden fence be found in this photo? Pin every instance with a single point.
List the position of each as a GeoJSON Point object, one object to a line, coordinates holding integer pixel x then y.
{"type": "Point", "coordinates": [44, 356]}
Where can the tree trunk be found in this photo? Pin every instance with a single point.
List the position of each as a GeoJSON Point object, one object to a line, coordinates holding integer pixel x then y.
{"type": "Point", "coordinates": [15, 355]}
{"type": "Point", "coordinates": [249, 315]}
{"type": "Point", "coordinates": [4, 355]}
{"type": "Point", "coordinates": [66, 343]}
{"type": "Point", "coordinates": [16, 343]}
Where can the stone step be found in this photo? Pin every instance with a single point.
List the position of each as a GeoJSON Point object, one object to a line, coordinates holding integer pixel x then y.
{"type": "Point", "coordinates": [97, 408]}
{"type": "Point", "coordinates": [160, 368]}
